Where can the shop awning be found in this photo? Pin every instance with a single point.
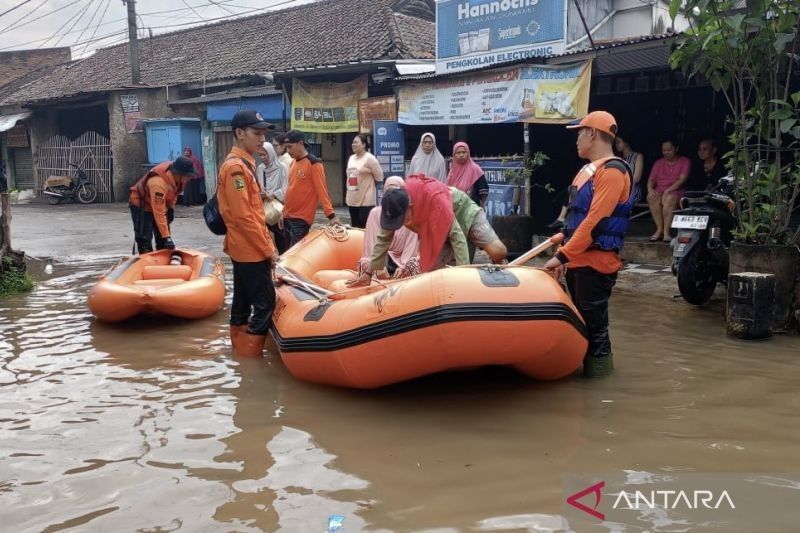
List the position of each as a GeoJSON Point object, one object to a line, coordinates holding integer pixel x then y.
{"type": "Point", "coordinates": [270, 107]}
{"type": "Point", "coordinates": [9, 121]}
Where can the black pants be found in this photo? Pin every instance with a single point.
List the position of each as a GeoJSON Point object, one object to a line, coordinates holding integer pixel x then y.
{"type": "Point", "coordinates": [253, 296]}
{"type": "Point", "coordinates": [297, 229]}
{"type": "Point", "coordinates": [359, 215]}
{"type": "Point", "coordinates": [145, 228]}
{"type": "Point", "coordinates": [280, 237]}
{"type": "Point", "coordinates": [590, 290]}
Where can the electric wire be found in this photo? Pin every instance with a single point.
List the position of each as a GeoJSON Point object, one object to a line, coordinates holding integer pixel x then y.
{"type": "Point", "coordinates": [28, 14]}
{"type": "Point", "coordinates": [80, 16]}
{"type": "Point", "coordinates": [97, 27]}
{"type": "Point", "coordinates": [14, 8]}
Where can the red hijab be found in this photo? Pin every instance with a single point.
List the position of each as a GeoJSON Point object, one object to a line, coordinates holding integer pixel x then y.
{"type": "Point", "coordinates": [433, 215]}
{"type": "Point", "coordinates": [463, 176]}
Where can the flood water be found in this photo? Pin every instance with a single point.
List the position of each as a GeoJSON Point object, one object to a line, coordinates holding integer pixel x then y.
{"type": "Point", "coordinates": [154, 426]}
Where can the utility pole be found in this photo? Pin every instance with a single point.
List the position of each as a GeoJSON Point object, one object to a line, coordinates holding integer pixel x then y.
{"type": "Point", "coordinates": [133, 40]}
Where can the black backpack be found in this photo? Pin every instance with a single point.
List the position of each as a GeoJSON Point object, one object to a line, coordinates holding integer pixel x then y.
{"type": "Point", "coordinates": [213, 217]}
{"type": "Point", "coordinates": [211, 212]}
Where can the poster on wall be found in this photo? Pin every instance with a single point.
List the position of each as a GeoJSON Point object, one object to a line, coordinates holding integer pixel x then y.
{"type": "Point", "coordinates": [327, 107]}
{"type": "Point", "coordinates": [377, 108]}
{"type": "Point", "coordinates": [541, 94]}
{"type": "Point", "coordinates": [390, 147]}
{"type": "Point", "coordinates": [500, 201]}
{"type": "Point", "coordinates": [131, 113]}
{"type": "Point", "coordinates": [479, 33]}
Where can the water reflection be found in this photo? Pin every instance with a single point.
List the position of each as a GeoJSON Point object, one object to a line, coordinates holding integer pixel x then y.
{"type": "Point", "coordinates": [153, 425]}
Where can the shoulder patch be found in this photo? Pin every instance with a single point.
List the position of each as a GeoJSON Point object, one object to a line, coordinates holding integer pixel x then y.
{"type": "Point", "coordinates": [159, 197]}
{"type": "Point", "coordinates": [238, 181]}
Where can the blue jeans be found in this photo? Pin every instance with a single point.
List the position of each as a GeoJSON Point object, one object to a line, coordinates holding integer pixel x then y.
{"type": "Point", "coordinates": [297, 229]}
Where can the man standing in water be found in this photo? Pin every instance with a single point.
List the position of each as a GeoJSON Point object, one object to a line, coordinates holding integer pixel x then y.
{"type": "Point", "coordinates": [597, 219]}
{"type": "Point", "coordinates": [247, 241]}
{"type": "Point", "coordinates": [152, 203]}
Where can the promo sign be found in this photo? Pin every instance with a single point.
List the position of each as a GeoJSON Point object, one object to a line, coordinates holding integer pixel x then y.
{"type": "Point", "coordinates": [390, 147]}
{"type": "Point", "coordinates": [479, 33]}
{"type": "Point", "coordinates": [541, 94]}
{"type": "Point", "coordinates": [327, 107]}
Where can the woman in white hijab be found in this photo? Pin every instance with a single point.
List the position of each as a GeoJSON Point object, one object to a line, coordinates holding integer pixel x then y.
{"type": "Point", "coordinates": [272, 175]}
{"type": "Point", "coordinates": [428, 160]}
{"type": "Point", "coordinates": [273, 178]}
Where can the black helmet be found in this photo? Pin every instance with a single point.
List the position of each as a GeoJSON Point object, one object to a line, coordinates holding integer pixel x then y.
{"type": "Point", "coordinates": [183, 165]}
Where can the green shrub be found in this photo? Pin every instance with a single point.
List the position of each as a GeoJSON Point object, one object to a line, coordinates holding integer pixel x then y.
{"type": "Point", "coordinates": [14, 281]}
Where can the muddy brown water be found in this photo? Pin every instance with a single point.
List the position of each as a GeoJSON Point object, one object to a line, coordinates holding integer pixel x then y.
{"type": "Point", "coordinates": [154, 426]}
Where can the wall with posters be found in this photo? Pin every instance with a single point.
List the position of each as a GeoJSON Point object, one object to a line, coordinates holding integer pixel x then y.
{"type": "Point", "coordinates": [542, 94]}
{"type": "Point", "coordinates": [377, 108]}
{"type": "Point", "coordinates": [501, 190]}
{"type": "Point", "coordinates": [327, 107]}
{"type": "Point", "coordinates": [478, 33]}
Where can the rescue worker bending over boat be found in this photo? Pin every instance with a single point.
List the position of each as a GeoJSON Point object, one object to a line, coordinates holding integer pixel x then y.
{"type": "Point", "coordinates": [442, 216]}
{"type": "Point", "coordinates": [152, 203]}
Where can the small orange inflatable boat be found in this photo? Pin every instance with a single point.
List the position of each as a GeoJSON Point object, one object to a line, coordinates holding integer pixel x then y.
{"type": "Point", "coordinates": [148, 282]}
{"type": "Point", "coordinates": [397, 330]}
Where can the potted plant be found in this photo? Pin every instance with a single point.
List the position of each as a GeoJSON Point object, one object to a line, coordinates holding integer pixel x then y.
{"type": "Point", "coordinates": [749, 54]}
{"type": "Point", "coordinates": [516, 230]}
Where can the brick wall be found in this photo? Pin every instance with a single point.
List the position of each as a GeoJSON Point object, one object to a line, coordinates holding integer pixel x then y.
{"type": "Point", "coordinates": [15, 64]}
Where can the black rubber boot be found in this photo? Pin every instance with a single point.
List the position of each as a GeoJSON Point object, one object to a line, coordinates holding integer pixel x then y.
{"type": "Point", "coordinates": [598, 367]}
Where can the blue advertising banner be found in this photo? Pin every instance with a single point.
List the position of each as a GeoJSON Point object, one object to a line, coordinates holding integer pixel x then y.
{"type": "Point", "coordinates": [390, 149]}
{"type": "Point", "coordinates": [501, 190]}
{"type": "Point", "coordinates": [390, 146]}
{"type": "Point", "coordinates": [479, 33]}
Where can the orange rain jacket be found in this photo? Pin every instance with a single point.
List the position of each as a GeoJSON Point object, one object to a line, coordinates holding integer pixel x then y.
{"type": "Point", "coordinates": [242, 209]}
{"type": "Point", "coordinates": [156, 192]}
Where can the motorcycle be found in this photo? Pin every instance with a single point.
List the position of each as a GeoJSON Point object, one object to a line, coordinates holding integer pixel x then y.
{"type": "Point", "coordinates": [700, 257]}
{"type": "Point", "coordinates": [59, 188]}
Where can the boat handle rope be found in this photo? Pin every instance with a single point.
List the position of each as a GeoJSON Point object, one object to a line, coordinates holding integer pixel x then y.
{"type": "Point", "coordinates": [337, 233]}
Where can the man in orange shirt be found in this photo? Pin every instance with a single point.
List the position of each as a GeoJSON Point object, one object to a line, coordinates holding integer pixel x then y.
{"type": "Point", "coordinates": [152, 203]}
{"type": "Point", "coordinates": [247, 241]}
{"type": "Point", "coordinates": [597, 220]}
{"type": "Point", "coordinates": [307, 188]}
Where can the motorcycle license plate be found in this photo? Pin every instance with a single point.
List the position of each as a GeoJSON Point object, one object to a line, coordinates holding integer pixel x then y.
{"type": "Point", "coordinates": [689, 221]}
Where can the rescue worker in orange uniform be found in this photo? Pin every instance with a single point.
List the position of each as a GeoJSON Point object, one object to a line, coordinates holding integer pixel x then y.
{"type": "Point", "coordinates": [152, 203]}
{"type": "Point", "coordinates": [247, 241]}
{"type": "Point", "coordinates": [597, 220]}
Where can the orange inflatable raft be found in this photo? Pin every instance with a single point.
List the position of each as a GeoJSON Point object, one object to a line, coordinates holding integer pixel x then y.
{"type": "Point", "coordinates": [149, 283]}
{"type": "Point", "coordinates": [393, 331]}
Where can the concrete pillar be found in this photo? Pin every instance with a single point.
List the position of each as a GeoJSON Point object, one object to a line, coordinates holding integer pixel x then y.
{"type": "Point", "coordinates": [751, 304]}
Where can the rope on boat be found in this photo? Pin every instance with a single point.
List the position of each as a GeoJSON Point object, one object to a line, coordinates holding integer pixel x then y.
{"type": "Point", "coordinates": [338, 233]}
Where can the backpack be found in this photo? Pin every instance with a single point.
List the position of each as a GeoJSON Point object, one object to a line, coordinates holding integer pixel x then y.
{"type": "Point", "coordinates": [211, 214]}
{"type": "Point", "coordinates": [213, 217]}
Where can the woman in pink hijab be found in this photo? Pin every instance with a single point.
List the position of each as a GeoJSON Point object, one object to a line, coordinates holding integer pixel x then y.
{"type": "Point", "coordinates": [403, 257]}
{"type": "Point", "coordinates": [466, 175]}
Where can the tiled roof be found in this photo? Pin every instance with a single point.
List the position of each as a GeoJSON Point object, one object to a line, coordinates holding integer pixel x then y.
{"type": "Point", "coordinates": [417, 36]}
{"type": "Point", "coordinates": [324, 33]}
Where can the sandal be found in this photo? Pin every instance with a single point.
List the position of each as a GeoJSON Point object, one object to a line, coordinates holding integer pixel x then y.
{"type": "Point", "coordinates": [655, 238]}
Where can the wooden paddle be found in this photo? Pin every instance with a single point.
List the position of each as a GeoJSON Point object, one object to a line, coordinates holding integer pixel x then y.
{"type": "Point", "coordinates": [527, 256]}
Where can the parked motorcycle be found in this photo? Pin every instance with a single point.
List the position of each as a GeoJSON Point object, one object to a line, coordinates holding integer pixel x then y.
{"type": "Point", "coordinates": [59, 188]}
{"type": "Point", "coordinates": [705, 222]}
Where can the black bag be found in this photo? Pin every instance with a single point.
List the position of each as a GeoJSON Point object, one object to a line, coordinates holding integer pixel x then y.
{"type": "Point", "coordinates": [213, 217]}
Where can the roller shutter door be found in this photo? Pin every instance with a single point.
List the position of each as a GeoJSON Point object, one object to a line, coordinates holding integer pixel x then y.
{"type": "Point", "coordinates": [23, 168]}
